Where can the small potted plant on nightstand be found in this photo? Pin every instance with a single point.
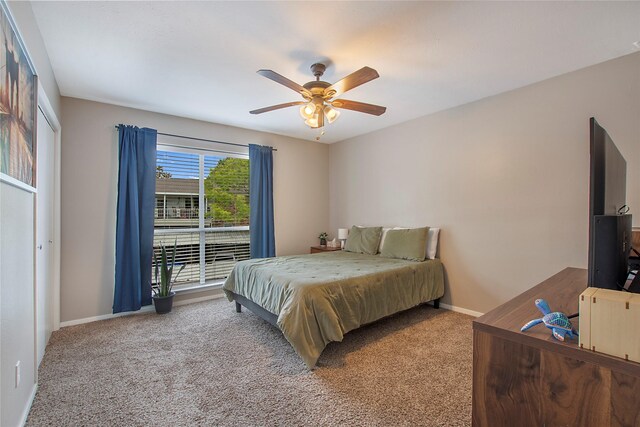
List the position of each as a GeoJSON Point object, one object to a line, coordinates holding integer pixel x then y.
{"type": "Point", "coordinates": [163, 295]}
{"type": "Point", "coordinates": [323, 238]}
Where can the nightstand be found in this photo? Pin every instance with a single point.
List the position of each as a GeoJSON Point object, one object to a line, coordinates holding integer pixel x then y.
{"type": "Point", "coordinates": [318, 249]}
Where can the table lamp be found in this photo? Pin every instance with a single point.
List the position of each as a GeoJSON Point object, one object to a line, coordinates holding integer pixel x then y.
{"type": "Point", "coordinates": [343, 233]}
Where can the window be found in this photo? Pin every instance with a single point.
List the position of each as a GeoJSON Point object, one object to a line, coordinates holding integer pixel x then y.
{"type": "Point", "coordinates": [202, 203]}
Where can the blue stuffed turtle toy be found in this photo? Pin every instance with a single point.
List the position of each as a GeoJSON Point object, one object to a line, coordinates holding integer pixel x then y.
{"type": "Point", "coordinates": [559, 323]}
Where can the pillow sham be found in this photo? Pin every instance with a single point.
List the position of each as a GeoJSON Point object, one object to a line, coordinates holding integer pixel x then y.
{"type": "Point", "coordinates": [431, 249]}
{"type": "Point", "coordinates": [363, 240]}
{"type": "Point", "coordinates": [408, 243]}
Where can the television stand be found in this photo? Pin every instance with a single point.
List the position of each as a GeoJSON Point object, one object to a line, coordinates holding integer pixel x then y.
{"type": "Point", "coordinates": [531, 379]}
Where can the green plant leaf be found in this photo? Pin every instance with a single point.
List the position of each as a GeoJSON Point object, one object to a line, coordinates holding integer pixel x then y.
{"type": "Point", "coordinates": [173, 263]}
{"type": "Point", "coordinates": [155, 259]}
{"type": "Point", "coordinates": [179, 271]}
{"type": "Point", "coordinates": [173, 257]}
{"type": "Point", "coordinates": [164, 272]}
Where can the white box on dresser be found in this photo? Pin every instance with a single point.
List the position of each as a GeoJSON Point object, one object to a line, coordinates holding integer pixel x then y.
{"type": "Point", "coordinates": [610, 323]}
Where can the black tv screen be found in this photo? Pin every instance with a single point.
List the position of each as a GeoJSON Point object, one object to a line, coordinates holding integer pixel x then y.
{"type": "Point", "coordinates": [608, 179]}
{"type": "Point", "coordinates": [609, 231]}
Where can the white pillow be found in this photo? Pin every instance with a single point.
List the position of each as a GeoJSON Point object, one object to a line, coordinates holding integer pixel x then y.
{"type": "Point", "coordinates": [384, 235]}
{"type": "Point", "coordinates": [432, 242]}
{"type": "Point", "coordinates": [431, 249]}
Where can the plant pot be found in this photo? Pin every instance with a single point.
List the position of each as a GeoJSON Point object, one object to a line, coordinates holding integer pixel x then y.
{"type": "Point", "coordinates": [164, 304]}
{"type": "Point", "coordinates": [323, 242]}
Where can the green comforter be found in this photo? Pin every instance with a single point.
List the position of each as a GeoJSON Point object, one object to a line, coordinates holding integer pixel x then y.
{"type": "Point", "coordinates": [318, 298]}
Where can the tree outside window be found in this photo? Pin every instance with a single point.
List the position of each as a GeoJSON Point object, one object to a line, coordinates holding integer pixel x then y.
{"type": "Point", "coordinates": [227, 192]}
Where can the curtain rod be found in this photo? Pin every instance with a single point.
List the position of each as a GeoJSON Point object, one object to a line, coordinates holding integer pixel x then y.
{"type": "Point", "coordinates": [205, 140]}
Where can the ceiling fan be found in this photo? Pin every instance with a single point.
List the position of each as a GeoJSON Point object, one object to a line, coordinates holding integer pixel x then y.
{"type": "Point", "coordinates": [318, 95]}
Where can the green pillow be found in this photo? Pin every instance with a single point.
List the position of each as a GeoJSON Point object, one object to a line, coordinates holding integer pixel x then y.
{"type": "Point", "coordinates": [406, 244]}
{"type": "Point", "coordinates": [363, 240]}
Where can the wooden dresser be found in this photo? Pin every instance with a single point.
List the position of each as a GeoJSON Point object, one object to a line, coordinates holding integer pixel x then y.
{"type": "Point", "coordinates": [531, 379]}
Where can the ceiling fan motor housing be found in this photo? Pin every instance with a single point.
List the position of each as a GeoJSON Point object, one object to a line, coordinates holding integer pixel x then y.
{"type": "Point", "coordinates": [316, 87]}
{"type": "Point", "coordinates": [318, 70]}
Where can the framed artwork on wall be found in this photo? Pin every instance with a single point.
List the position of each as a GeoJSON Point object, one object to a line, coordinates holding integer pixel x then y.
{"type": "Point", "coordinates": [18, 107]}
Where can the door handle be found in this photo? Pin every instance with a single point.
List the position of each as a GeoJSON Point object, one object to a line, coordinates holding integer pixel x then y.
{"type": "Point", "coordinates": [40, 247]}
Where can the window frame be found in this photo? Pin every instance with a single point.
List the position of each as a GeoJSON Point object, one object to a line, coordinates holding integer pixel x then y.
{"type": "Point", "coordinates": [202, 283]}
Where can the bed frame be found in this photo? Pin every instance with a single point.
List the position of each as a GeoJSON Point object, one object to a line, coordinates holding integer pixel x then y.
{"type": "Point", "coordinates": [270, 317]}
{"type": "Point", "coordinates": [255, 308]}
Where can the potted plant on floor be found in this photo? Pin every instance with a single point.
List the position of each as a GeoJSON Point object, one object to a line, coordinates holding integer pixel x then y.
{"type": "Point", "coordinates": [163, 295]}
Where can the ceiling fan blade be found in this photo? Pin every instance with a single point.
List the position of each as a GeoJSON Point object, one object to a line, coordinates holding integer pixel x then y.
{"type": "Point", "coordinates": [376, 110]}
{"type": "Point", "coordinates": [362, 76]}
{"type": "Point", "coordinates": [276, 107]}
{"type": "Point", "coordinates": [279, 78]}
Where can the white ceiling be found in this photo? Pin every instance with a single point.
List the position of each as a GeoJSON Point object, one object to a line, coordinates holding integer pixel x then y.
{"type": "Point", "coordinates": [199, 59]}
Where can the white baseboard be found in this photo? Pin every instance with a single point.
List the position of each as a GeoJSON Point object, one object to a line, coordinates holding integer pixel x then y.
{"type": "Point", "coordinates": [27, 409]}
{"type": "Point", "coordinates": [145, 309]}
{"type": "Point", "coordinates": [460, 310]}
{"type": "Point", "coordinates": [74, 322]}
{"type": "Point", "coordinates": [149, 308]}
{"type": "Point", "coordinates": [199, 299]}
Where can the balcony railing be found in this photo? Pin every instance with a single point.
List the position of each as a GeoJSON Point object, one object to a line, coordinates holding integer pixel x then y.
{"type": "Point", "coordinates": [223, 247]}
{"type": "Point", "coordinates": [174, 213]}
{"type": "Point", "coordinates": [188, 218]}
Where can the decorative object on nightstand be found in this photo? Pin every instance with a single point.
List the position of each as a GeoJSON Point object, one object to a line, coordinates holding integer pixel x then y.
{"type": "Point", "coordinates": [318, 249]}
{"type": "Point", "coordinates": [343, 233]}
{"type": "Point", "coordinates": [333, 243]}
{"type": "Point", "coordinates": [323, 238]}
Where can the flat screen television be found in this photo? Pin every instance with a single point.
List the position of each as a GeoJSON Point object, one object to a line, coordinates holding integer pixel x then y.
{"type": "Point", "coordinates": [609, 226]}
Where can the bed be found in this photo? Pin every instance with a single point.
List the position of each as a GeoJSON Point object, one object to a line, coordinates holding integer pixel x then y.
{"type": "Point", "coordinates": [316, 299]}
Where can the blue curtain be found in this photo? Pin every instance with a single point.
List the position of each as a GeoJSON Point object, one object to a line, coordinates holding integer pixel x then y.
{"type": "Point", "coordinates": [134, 223]}
{"type": "Point", "coordinates": [263, 244]}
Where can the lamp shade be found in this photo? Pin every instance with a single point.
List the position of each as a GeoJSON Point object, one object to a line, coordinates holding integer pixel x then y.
{"type": "Point", "coordinates": [308, 110]}
{"type": "Point", "coordinates": [331, 114]}
{"type": "Point", "coordinates": [312, 121]}
{"type": "Point", "coordinates": [343, 233]}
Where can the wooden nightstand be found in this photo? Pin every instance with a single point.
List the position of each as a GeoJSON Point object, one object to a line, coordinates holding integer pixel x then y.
{"type": "Point", "coordinates": [318, 249]}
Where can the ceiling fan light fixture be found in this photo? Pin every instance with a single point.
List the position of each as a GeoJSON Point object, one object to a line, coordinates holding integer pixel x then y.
{"type": "Point", "coordinates": [307, 111]}
{"type": "Point", "coordinates": [331, 113]}
{"type": "Point", "coordinates": [312, 122]}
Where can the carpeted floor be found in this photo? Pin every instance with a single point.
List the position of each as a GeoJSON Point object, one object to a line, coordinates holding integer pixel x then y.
{"type": "Point", "coordinates": [204, 364]}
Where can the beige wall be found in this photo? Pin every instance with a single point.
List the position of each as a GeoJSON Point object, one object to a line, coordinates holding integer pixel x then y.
{"type": "Point", "coordinates": [89, 179]}
{"type": "Point", "coordinates": [506, 178]}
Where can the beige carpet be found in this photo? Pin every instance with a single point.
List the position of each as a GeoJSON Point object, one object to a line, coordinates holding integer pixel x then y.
{"type": "Point", "coordinates": [204, 364]}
